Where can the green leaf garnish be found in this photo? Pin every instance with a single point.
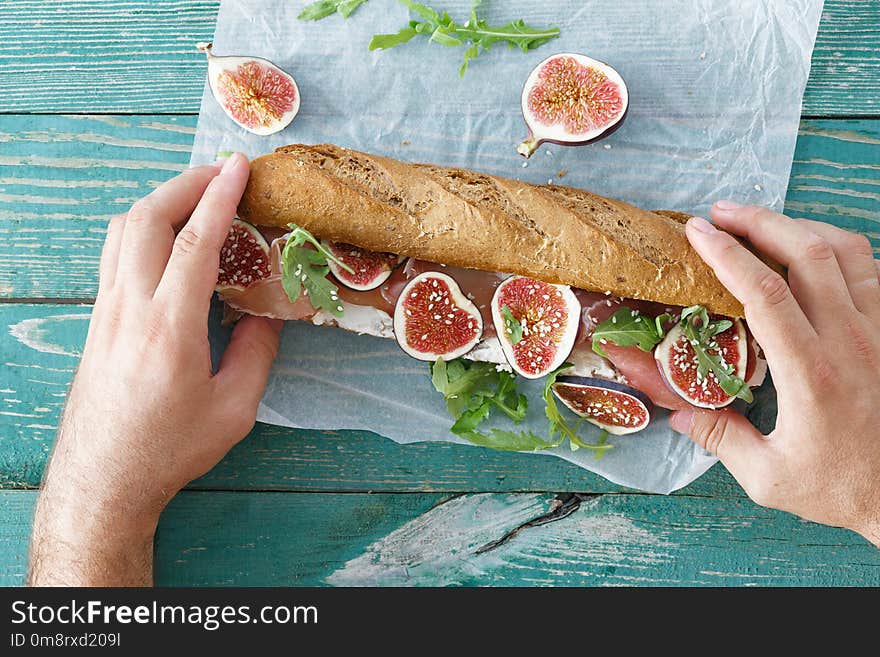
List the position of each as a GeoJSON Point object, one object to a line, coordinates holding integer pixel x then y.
{"type": "Point", "coordinates": [304, 267]}
{"type": "Point", "coordinates": [472, 390]}
{"type": "Point", "coordinates": [559, 426]}
{"type": "Point", "coordinates": [699, 330]}
{"type": "Point", "coordinates": [476, 32]}
{"type": "Point", "coordinates": [512, 327]}
{"type": "Point", "coordinates": [524, 441]}
{"type": "Point", "coordinates": [626, 328]}
{"type": "Point", "coordinates": [323, 8]}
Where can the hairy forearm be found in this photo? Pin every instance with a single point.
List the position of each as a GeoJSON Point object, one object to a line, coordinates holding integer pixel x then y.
{"type": "Point", "coordinates": [94, 554]}
{"type": "Point", "coordinates": [90, 534]}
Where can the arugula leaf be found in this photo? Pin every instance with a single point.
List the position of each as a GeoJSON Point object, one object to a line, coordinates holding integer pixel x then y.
{"type": "Point", "coordinates": [511, 325]}
{"type": "Point", "coordinates": [442, 29]}
{"type": "Point", "coordinates": [323, 8]}
{"type": "Point", "coordinates": [472, 390]}
{"type": "Point", "coordinates": [700, 330]}
{"type": "Point", "coordinates": [304, 267]}
{"type": "Point", "coordinates": [626, 328]}
{"type": "Point", "coordinates": [524, 441]}
{"type": "Point", "coordinates": [558, 424]}
{"type": "Point", "coordinates": [468, 385]}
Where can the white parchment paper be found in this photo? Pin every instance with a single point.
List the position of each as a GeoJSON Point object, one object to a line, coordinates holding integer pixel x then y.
{"type": "Point", "coordinates": [715, 92]}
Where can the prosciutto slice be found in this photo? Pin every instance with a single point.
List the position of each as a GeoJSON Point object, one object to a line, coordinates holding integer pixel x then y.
{"type": "Point", "coordinates": [638, 368]}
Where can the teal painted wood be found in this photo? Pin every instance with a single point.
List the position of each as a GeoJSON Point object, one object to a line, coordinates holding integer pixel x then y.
{"type": "Point", "coordinates": [63, 177]}
{"type": "Point", "coordinates": [137, 56]}
{"type": "Point", "coordinates": [429, 539]}
{"type": "Point", "coordinates": [40, 344]}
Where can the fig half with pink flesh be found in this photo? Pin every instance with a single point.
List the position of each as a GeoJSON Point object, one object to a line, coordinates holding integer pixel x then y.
{"type": "Point", "coordinates": [433, 319]}
{"type": "Point", "coordinates": [571, 99]}
{"type": "Point", "coordinates": [547, 316]}
{"type": "Point", "coordinates": [616, 407]}
{"type": "Point", "coordinates": [677, 360]}
{"type": "Point", "coordinates": [371, 269]}
{"type": "Point", "coordinates": [254, 92]}
{"type": "Point", "coordinates": [244, 258]}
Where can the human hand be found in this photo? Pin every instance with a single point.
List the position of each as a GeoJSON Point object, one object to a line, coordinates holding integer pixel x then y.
{"type": "Point", "coordinates": [145, 415]}
{"type": "Point", "coordinates": [820, 333]}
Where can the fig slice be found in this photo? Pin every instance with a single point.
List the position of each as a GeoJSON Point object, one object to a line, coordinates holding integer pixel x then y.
{"type": "Point", "coordinates": [547, 317]}
{"type": "Point", "coordinates": [244, 258]}
{"type": "Point", "coordinates": [254, 92]}
{"type": "Point", "coordinates": [371, 269]}
{"type": "Point", "coordinates": [678, 362]}
{"type": "Point", "coordinates": [616, 407]}
{"type": "Point", "coordinates": [433, 319]}
{"type": "Point", "coordinates": [571, 99]}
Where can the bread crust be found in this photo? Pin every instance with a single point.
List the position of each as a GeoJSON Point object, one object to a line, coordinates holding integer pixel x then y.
{"type": "Point", "coordinates": [457, 217]}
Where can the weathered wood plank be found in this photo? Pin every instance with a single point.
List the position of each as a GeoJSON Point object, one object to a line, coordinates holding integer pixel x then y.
{"type": "Point", "coordinates": [137, 56]}
{"type": "Point", "coordinates": [40, 344]}
{"type": "Point", "coordinates": [61, 178]}
{"type": "Point", "coordinates": [429, 540]}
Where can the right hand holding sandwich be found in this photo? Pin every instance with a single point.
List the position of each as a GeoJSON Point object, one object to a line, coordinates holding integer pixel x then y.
{"type": "Point", "coordinates": [820, 333]}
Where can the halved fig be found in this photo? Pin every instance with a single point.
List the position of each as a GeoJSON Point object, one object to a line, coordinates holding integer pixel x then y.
{"type": "Point", "coordinates": [371, 269]}
{"type": "Point", "coordinates": [571, 99]}
{"type": "Point", "coordinates": [547, 316]}
{"type": "Point", "coordinates": [433, 319]}
{"type": "Point", "coordinates": [616, 407]}
{"type": "Point", "coordinates": [678, 362]}
{"type": "Point", "coordinates": [254, 92]}
{"type": "Point", "coordinates": [244, 258]}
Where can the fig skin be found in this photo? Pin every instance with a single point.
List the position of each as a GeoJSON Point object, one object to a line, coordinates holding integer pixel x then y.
{"type": "Point", "coordinates": [640, 399]}
{"type": "Point", "coordinates": [382, 271]}
{"type": "Point", "coordinates": [456, 299]}
{"type": "Point", "coordinates": [271, 122]}
{"type": "Point", "coordinates": [261, 261]}
{"type": "Point", "coordinates": [527, 147]}
{"type": "Point", "coordinates": [543, 365]}
{"type": "Point", "coordinates": [663, 354]}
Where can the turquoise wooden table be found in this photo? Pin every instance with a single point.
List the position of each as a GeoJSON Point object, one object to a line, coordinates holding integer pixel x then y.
{"type": "Point", "coordinates": [98, 104]}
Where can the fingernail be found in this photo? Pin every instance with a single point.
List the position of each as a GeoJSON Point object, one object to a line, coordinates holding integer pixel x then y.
{"type": "Point", "coordinates": [727, 206]}
{"type": "Point", "coordinates": [231, 162]}
{"type": "Point", "coordinates": [700, 224]}
{"type": "Point", "coordinates": [681, 421]}
{"type": "Point", "coordinates": [219, 162]}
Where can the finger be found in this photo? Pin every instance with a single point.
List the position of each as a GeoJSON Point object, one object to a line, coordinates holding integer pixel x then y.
{"type": "Point", "coordinates": [149, 227]}
{"type": "Point", "coordinates": [244, 367]}
{"type": "Point", "coordinates": [110, 253]}
{"type": "Point", "coordinates": [856, 259]}
{"type": "Point", "coordinates": [813, 271]}
{"type": "Point", "coordinates": [732, 438]}
{"type": "Point", "coordinates": [191, 273]}
{"type": "Point", "coordinates": [775, 318]}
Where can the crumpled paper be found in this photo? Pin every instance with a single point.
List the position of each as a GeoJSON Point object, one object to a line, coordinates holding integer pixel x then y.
{"type": "Point", "coordinates": [715, 91]}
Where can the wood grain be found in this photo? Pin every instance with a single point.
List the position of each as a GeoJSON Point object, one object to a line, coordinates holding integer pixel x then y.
{"type": "Point", "coordinates": [137, 56]}
{"type": "Point", "coordinates": [63, 177]}
{"type": "Point", "coordinates": [429, 540]}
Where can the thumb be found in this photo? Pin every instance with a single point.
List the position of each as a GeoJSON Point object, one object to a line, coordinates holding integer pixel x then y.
{"type": "Point", "coordinates": [729, 436]}
{"type": "Point", "coordinates": [244, 368]}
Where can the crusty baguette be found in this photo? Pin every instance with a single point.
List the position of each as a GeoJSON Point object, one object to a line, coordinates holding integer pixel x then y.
{"type": "Point", "coordinates": [456, 217]}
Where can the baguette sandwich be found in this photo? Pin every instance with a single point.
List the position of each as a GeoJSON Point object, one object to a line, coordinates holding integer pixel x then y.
{"type": "Point", "coordinates": [453, 263]}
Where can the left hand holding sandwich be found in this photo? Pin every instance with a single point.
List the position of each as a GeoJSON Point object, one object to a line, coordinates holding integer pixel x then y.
{"type": "Point", "coordinates": [145, 415]}
{"type": "Point", "coordinates": [820, 333]}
